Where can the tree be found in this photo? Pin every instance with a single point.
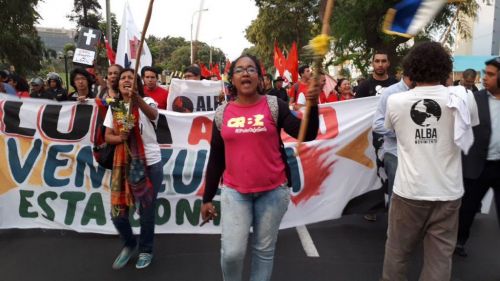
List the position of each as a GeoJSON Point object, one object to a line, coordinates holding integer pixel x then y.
{"type": "Point", "coordinates": [355, 27]}
{"type": "Point", "coordinates": [86, 13]}
{"type": "Point", "coordinates": [174, 53]}
{"type": "Point", "coordinates": [285, 21]}
{"type": "Point", "coordinates": [19, 42]}
{"type": "Point", "coordinates": [115, 29]}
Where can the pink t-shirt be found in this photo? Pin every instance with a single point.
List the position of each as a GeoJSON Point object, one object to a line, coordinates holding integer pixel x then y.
{"type": "Point", "coordinates": [252, 151]}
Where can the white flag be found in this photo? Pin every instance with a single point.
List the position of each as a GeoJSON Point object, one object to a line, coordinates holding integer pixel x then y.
{"type": "Point", "coordinates": [128, 43]}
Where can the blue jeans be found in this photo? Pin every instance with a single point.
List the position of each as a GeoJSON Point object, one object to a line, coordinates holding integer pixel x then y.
{"type": "Point", "coordinates": [263, 211]}
{"type": "Point", "coordinates": [390, 166]}
{"type": "Point", "coordinates": [147, 219]}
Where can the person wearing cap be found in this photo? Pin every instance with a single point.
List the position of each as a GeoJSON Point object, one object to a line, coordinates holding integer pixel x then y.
{"type": "Point", "coordinates": [278, 89]}
{"type": "Point", "coordinates": [481, 165]}
{"type": "Point", "coordinates": [81, 80]}
{"type": "Point", "coordinates": [192, 73]}
{"type": "Point", "coordinates": [54, 83]}
{"type": "Point", "coordinates": [38, 89]}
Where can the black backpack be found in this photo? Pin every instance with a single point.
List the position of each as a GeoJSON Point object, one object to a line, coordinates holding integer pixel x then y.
{"type": "Point", "coordinates": [103, 152]}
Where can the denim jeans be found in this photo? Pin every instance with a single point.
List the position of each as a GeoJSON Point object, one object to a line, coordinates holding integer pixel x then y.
{"type": "Point", "coordinates": [263, 211]}
{"type": "Point", "coordinates": [147, 219]}
{"type": "Point", "coordinates": [390, 166]}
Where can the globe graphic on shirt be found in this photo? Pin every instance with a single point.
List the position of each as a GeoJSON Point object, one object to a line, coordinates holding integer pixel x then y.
{"type": "Point", "coordinates": [425, 112]}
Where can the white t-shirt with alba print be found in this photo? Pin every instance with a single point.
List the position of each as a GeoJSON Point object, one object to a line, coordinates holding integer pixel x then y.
{"type": "Point", "coordinates": [148, 133]}
{"type": "Point", "coordinates": [429, 161]}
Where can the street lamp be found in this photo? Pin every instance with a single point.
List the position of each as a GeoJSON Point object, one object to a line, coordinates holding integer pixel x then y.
{"type": "Point", "coordinates": [192, 19]}
{"type": "Point", "coordinates": [213, 40]}
{"type": "Point", "coordinates": [66, 55]}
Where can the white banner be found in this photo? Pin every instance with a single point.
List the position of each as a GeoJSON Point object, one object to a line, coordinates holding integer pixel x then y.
{"type": "Point", "coordinates": [50, 179]}
{"type": "Point", "coordinates": [193, 96]}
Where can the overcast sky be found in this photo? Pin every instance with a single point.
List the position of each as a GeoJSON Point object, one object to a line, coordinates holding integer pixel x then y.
{"type": "Point", "coordinates": [222, 26]}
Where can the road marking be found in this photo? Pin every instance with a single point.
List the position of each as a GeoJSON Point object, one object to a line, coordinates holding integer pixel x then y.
{"type": "Point", "coordinates": [307, 242]}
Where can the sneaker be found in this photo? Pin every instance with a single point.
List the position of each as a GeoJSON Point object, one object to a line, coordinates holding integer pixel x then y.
{"type": "Point", "coordinates": [144, 260]}
{"type": "Point", "coordinates": [370, 217]}
{"type": "Point", "coordinates": [460, 251]}
{"type": "Point", "coordinates": [122, 258]}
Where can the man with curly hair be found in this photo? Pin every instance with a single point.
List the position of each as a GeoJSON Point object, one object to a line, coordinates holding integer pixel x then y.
{"type": "Point", "coordinates": [427, 189]}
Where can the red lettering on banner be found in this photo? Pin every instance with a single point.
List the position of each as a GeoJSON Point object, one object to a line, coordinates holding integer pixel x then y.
{"type": "Point", "coordinates": [330, 129]}
{"type": "Point", "coordinates": [200, 130]}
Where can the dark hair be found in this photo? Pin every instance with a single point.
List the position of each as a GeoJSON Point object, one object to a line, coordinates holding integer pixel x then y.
{"type": "Point", "coordinates": [4, 74]}
{"type": "Point", "coordinates": [85, 73]}
{"type": "Point", "coordinates": [494, 61]}
{"type": "Point", "coordinates": [469, 73]}
{"type": "Point", "coordinates": [428, 62]}
{"type": "Point", "coordinates": [148, 68]}
{"type": "Point", "coordinates": [339, 83]}
{"type": "Point", "coordinates": [193, 69]}
{"type": "Point", "coordinates": [232, 89]}
{"type": "Point", "coordinates": [302, 68]}
{"type": "Point", "coordinates": [380, 52]}
{"type": "Point", "coordinates": [140, 87]}
{"type": "Point", "coordinates": [21, 83]}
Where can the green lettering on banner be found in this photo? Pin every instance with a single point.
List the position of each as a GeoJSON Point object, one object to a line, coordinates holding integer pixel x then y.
{"type": "Point", "coordinates": [42, 202]}
{"type": "Point", "coordinates": [73, 197]}
{"type": "Point", "coordinates": [24, 204]}
{"type": "Point", "coordinates": [184, 208]}
{"type": "Point", "coordinates": [217, 209]}
{"type": "Point", "coordinates": [94, 210]}
{"type": "Point", "coordinates": [162, 203]}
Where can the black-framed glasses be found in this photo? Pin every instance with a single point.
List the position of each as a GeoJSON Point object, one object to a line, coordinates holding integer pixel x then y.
{"type": "Point", "coordinates": [250, 70]}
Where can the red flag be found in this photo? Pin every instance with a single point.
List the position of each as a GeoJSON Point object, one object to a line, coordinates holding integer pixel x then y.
{"type": "Point", "coordinates": [109, 51]}
{"type": "Point", "coordinates": [279, 59]}
{"type": "Point", "coordinates": [262, 69]}
{"type": "Point", "coordinates": [226, 68]}
{"type": "Point", "coordinates": [292, 62]}
{"type": "Point", "coordinates": [215, 70]}
{"type": "Point", "coordinates": [204, 71]}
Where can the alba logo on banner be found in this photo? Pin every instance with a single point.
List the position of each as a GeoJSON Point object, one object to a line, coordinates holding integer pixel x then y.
{"type": "Point", "coordinates": [193, 96]}
{"type": "Point", "coordinates": [85, 51]}
{"type": "Point", "coordinates": [128, 43]}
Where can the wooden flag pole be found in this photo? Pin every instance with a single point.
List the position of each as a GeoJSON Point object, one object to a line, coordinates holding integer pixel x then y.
{"type": "Point", "coordinates": [318, 60]}
{"type": "Point", "coordinates": [139, 50]}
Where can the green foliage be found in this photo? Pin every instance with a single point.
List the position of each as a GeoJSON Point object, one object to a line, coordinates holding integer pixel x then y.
{"type": "Point", "coordinates": [86, 13]}
{"type": "Point", "coordinates": [355, 26]}
{"type": "Point", "coordinates": [19, 42]}
{"type": "Point", "coordinates": [174, 53]}
{"type": "Point", "coordinates": [115, 29]}
{"type": "Point", "coordinates": [285, 21]}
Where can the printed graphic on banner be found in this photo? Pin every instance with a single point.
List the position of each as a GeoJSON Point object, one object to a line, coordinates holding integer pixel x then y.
{"type": "Point", "coordinates": [188, 96]}
{"type": "Point", "coordinates": [51, 180]}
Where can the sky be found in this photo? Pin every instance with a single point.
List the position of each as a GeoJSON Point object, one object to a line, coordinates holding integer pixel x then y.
{"type": "Point", "coordinates": [222, 26]}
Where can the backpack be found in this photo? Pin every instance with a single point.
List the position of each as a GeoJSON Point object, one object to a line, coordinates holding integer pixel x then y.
{"type": "Point", "coordinates": [103, 152]}
{"type": "Point", "coordinates": [272, 102]}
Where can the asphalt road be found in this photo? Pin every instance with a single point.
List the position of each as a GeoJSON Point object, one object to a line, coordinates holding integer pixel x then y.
{"type": "Point", "coordinates": [349, 249]}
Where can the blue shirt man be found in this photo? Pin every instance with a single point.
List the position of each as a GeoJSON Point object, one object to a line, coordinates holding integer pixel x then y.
{"type": "Point", "coordinates": [390, 143]}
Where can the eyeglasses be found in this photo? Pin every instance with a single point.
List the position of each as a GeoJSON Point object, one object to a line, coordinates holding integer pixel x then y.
{"type": "Point", "coordinates": [250, 70]}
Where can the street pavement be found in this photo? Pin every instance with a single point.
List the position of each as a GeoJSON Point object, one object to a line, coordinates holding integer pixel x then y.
{"type": "Point", "coordinates": [349, 249]}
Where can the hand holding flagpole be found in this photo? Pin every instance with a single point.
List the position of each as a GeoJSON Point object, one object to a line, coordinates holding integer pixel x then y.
{"type": "Point", "coordinates": [320, 46]}
{"type": "Point", "coordinates": [139, 50]}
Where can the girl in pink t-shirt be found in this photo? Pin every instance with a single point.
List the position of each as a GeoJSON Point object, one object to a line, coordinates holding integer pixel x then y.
{"type": "Point", "coordinates": [248, 152]}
